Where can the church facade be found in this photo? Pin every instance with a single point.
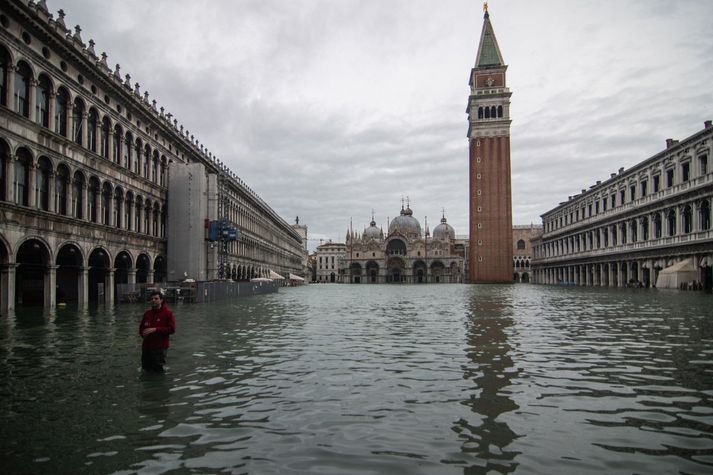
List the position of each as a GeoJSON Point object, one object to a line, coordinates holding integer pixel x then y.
{"type": "Point", "coordinates": [404, 253]}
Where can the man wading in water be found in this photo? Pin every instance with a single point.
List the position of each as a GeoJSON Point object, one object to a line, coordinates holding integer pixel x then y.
{"type": "Point", "coordinates": [157, 324]}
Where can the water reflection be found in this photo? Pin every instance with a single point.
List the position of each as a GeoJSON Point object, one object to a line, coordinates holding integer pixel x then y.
{"type": "Point", "coordinates": [491, 369]}
{"type": "Point", "coordinates": [369, 379]}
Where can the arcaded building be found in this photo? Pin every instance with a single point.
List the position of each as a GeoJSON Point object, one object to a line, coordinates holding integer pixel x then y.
{"type": "Point", "coordinates": [645, 226]}
{"type": "Point", "coordinates": [404, 254]}
{"type": "Point", "coordinates": [523, 235]}
{"type": "Point", "coordinates": [86, 161]}
{"type": "Point", "coordinates": [490, 252]}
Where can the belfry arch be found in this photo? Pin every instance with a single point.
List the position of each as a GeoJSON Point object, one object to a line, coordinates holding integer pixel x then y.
{"type": "Point", "coordinates": [70, 274]}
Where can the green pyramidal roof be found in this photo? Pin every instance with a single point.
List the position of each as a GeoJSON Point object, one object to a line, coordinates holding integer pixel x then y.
{"type": "Point", "coordinates": [488, 50]}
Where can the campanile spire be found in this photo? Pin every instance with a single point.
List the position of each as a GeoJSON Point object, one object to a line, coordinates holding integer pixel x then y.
{"type": "Point", "coordinates": [490, 257]}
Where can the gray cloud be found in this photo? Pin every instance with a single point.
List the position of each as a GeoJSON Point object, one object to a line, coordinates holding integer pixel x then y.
{"type": "Point", "coordinates": [331, 109]}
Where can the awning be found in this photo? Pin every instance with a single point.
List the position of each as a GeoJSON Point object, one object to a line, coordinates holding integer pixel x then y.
{"type": "Point", "coordinates": [275, 275]}
{"type": "Point", "coordinates": [296, 277]}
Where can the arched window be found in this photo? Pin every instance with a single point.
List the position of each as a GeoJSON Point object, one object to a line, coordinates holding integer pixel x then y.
{"type": "Point", "coordinates": [687, 219]}
{"type": "Point", "coordinates": [658, 229]}
{"type": "Point", "coordinates": [162, 178]}
{"type": "Point", "coordinates": [147, 218]}
{"type": "Point", "coordinates": [78, 121]}
{"type": "Point", "coordinates": [60, 111]}
{"type": "Point", "coordinates": [521, 244]}
{"type": "Point", "coordinates": [480, 112]}
{"type": "Point", "coordinates": [116, 145]}
{"type": "Point", "coordinates": [137, 214]}
{"type": "Point", "coordinates": [42, 102]}
{"type": "Point", "coordinates": [60, 190]}
{"type": "Point", "coordinates": [500, 111]}
{"type": "Point", "coordinates": [106, 204]}
{"type": "Point", "coordinates": [154, 169]}
{"type": "Point", "coordinates": [672, 222]}
{"type": "Point", "coordinates": [118, 207]}
{"type": "Point", "coordinates": [705, 215]}
{"type": "Point", "coordinates": [147, 161]}
{"type": "Point", "coordinates": [128, 210]}
{"type": "Point", "coordinates": [5, 63]}
{"type": "Point", "coordinates": [4, 161]}
{"type": "Point", "coordinates": [137, 156]}
{"type": "Point", "coordinates": [645, 229]}
{"type": "Point", "coordinates": [93, 199]}
{"type": "Point", "coordinates": [156, 218]}
{"type": "Point", "coordinates": [42, 183]}
{"type": "Point", "coordinates": [22, 177]}
{"type": "Point", "coordinates": [105, 137]}
{"type": "Point", "coordinates": [77, 198]}
{"type": "Point", "coordinates": [634, 231]}
{"type": "Point", "coordinates": [623, 233]}
{"type": "Point", "coordinates": [23, 76]}
{"type": "Point", "coordinates": [93, 124]}
{"type": "Point", "coordinates": [128, 147]}
{"type": "Point", "coordinates": [487, 112]}
{"type": "Point", "coordinates": [493, 112]}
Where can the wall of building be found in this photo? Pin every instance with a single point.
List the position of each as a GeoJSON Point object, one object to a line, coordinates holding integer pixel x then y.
{"type": "Point", "coordinates": [625, 230]}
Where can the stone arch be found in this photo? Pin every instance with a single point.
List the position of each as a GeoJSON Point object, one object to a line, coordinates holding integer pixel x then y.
{"type": "Point", "coordinates": [45, 88]}
{"type": "Point", "coordinates": [99, 267]}
{"type": "Point", "coordinates": [21, 176]}
{"type": "Point", "coordinates": [79, 181]}
{"type": "Point", "coordinates": [438, 271]}
{"type": "Point", "coordinates": [6, 60]}
{"type": "Point", "coordinates": [107, 192]}
{"type": "Point", "coordinates": [61, 189]}
{"type": "Point", "coordinates": [24, 74]}
{"type": "Point", "coordinates": [32, 283]}
{"type": "Point", "coordinates": [395, 269]}
{"type": "Point", "coordinates": [43, 175]}
{"type": "Point", "coordinates": [143, 266]}
{"type": "Point", "coordinates": [93, 123]}
{"type": "Point", "coordinates": [78, 110]}
{"type": "Point", "coordinates": [128, 149]}
{"type": "Point", "coordinates": [61, 110]}
{"type": "Point", "coordinates": [159, 269]}
{"type": "Point", "coordinates": [372, 272]}
{"type": "Point", "coordinates": [118, 206]}
{"type": "Point", "coordinates": [396, 246]}
{"type": "Point", "coordinates": [123, 266]}
{"type": "Point", "coordinates": [70, 262]}
{"type": "Point", "coordinates": [355, 270]}
{"type": "Point", "coordinates": [105, 137]}
{"type": "Point", "coordinates": [420, 272]}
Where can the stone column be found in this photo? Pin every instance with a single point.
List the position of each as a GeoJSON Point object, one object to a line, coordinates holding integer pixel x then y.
{"type": "Point", "coordinates": [32, 100]}
{"type": "Point", "coordinates": [610, 276]}
{"type": "Point", "coordinates": [83, 286]}
{"type": "Point", "coordinates": [50, 192]}
{"type": "Point", "coordinates": [149, 276]}
{"type": "Point", "coordinates": [85, 129]}
{"type": "Point", "coordinates": [50, 289]}
{"type": "Point", "coordinates": [694, 218]}
{"type": "Point", "coordinates": [9, 177]}
{"type": "Point", "coordinates": [31, 185]}
{"type": "Point", "coordinates": [50, 110]}
{"type": "Point", "coordinates": [109, 287]}
{"type": "Point", "coordinates": [620, 273]}
{"type": "Point", "coordinates": [7, 296]}
{"type": "Point", "coordinates": [131, 276]}
{"type": "Point", "coordinates": [11, 69]}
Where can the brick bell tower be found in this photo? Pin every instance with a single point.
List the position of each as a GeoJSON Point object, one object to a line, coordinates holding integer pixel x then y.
{"type": "Point", "coordinates": [491, 256]}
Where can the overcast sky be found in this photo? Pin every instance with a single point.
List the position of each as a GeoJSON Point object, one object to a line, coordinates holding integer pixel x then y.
{"type": "Point", "coordinates": [329, 109]}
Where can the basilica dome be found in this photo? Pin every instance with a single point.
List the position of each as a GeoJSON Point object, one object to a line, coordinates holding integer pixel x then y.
{"type": "Point", "coordinates": [372, 232]}
{"type": "Point", "coordinates": [444, 231]}
{"type": "Point", "coordinates": [406, 224]}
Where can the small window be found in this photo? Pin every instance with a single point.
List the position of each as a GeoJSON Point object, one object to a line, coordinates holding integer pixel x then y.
{"type": "Point", "coordinates": [622, 196]}
{"type": "Point", "coordinates": [657, 183]}
{"type": "Point", "coordinates": [685, 172]}
{"type": "Point", "coordinates": [26, 37]}
{"type": "Point", "coordinates": [63, 66]}
{"type": "Point", "coordinates": [632, 192]}
{"type": "Point", "coordinates": [703, 164]}
{"type": "Point", "coordinates": [46, 52]}
{"type": "Point", "coordinates": [520, 244]}
{"type": "Point", "coordinates": [669, 178]}
{"type": "Point", "coordinates": [644, 188]}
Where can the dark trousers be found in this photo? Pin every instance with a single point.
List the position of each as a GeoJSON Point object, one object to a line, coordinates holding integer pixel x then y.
{"type": "Point", "coordinates": [153, 360]}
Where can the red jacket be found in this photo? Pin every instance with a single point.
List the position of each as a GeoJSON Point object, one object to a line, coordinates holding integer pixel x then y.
{"type": "Point", "coordinates": [161, 319]}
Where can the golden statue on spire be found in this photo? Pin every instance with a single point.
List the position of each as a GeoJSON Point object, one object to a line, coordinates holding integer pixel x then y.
{"type": "Point", "coordinates": [485, 7]}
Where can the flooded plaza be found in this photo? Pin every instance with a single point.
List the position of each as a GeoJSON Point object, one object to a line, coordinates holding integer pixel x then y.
{"type": "Point", "coordinates": [369, 379]}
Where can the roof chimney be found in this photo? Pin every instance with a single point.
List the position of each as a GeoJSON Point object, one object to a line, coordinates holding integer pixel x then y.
{"type": "Point", "coordinates": [707, 124]}
{"type": "Point", "coordinates": [670, 143]}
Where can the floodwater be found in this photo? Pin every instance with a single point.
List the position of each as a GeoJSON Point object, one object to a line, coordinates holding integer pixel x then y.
{"type": "Point", "coordinates": [369, 379]}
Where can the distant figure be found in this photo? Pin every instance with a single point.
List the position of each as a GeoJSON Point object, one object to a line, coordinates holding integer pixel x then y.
{"type": "Point", "coordinates": [156, 326]}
